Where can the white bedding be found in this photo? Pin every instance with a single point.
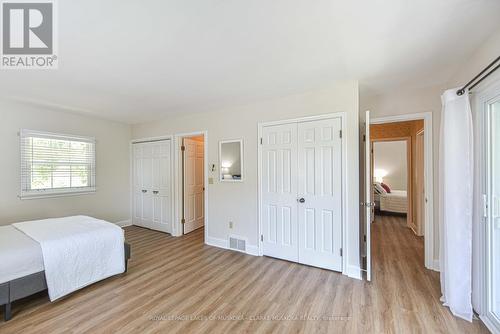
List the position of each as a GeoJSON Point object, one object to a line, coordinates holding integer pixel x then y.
{"type": "Point", "coordinates": [395, 201]}
{"type": "Point", "coordinates": [77, 251]}
{"type": "Point", "coordinates": [19, 254]}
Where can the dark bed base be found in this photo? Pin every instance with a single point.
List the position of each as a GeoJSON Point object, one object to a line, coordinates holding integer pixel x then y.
{"type": "Point", "coordinates": [29, 285]}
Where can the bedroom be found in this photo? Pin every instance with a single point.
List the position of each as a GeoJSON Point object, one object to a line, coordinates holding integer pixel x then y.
{"type": "Point", "coordinates": [202, 166]}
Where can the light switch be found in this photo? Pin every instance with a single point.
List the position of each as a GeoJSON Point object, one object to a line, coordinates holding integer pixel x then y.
{"type": "Point", "coordinates": [210, 180]}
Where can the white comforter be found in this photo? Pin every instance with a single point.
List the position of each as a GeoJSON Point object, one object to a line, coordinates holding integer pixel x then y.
{"type": "Point", "coordinates": [77, 251]}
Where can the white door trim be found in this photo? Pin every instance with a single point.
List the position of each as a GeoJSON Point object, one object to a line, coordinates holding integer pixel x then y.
{"type": "Point", "coordinates": [177, 225]}
{"type": "Point", "coordinates": [342, 116]}
{"type": "Point", "coordinates": [429, 179]}
{"type": "Point", "coordinates": [131, 173]}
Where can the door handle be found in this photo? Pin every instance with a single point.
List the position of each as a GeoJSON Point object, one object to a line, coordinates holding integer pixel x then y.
{"type": "Point", "coordinates": [144, 191]}
{"type": "Point", "coordinates": [301, 200]}
{"type": "Point", "coordinates": [155, 192]}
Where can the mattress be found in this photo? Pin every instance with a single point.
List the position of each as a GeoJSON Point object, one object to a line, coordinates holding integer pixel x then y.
{"type": "Point", "coordinates": [395, 201]}
{"type": "Point", "coordinates": [19, 254]}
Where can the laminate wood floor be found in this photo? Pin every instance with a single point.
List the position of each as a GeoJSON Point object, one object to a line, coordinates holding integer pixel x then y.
{"type": "Point", "coordinates": [181, 285]}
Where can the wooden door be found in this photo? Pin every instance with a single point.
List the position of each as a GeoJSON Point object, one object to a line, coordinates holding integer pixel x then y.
{"type": "Point", "coordinates": [194, 194]}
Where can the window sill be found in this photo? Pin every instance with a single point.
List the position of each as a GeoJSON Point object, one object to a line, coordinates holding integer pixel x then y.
{"type": "Point", "coordinates": [56, 194]}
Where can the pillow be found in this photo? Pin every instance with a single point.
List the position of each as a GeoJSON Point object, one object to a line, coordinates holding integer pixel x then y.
{"type": "Point", "coordinates": [386, 188]}
{"type": "Point", "coordinates": [378, 188]}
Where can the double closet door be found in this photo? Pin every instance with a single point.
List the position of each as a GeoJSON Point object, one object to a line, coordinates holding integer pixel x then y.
{"type": "Point", "coordinates": [301, 191]}
{"type": "Point", "coordinates": [152, 185]}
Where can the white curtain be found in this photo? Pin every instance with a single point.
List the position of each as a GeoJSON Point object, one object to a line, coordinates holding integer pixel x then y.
{"type": "Point", "coordinates": [456, 180]}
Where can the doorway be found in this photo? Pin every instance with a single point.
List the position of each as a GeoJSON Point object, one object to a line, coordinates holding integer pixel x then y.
{"type": "Point", "coordinates": [392, 178]}
{"type": "Point", "coordinates": [416, 216]}
{"type": "Point", "coordinates": [192, 183]}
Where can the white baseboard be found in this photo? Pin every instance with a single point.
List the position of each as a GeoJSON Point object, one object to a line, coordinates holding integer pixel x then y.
{"type": "Point", "coordinates": [216, 242]}
{"type": "Point", "coordinates": [354, 272]}
{"type": "Point", "coordinates": [253, 250]}
{"type": "Point", "coordinates": [435, 265]}
{"type": "Point", "coordinates": [222, 243]}
{"type": "Point", "coordinates": [124, 223]}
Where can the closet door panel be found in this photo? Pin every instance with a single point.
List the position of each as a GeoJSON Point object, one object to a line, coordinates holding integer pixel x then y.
{"type": "Point", "coordinates": [320, 187]}
{"type": "Point", "coordinates": [279, 191]}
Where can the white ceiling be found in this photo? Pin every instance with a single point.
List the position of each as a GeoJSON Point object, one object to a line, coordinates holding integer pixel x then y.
{"type": "Point", "coordinates": [135, 61]}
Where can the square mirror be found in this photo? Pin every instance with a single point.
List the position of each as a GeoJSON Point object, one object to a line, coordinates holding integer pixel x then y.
{"type": "Point", "coordinates": [231, 160]}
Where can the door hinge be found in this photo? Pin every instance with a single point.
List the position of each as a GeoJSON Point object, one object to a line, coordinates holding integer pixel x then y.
{"type": "Point", "coordinates": [183, 148]}
{"type": "Point", "coordinates": [261, 237]}
{"type": "Point", "coordinates": [261, 140]}
{"type": "Point", "coordinates": [341, 252]}
{"type": "Point", "coordinates": [340, 133]}
{"type": "Point", "coordinates": [364, 137]}
{"type": "Point", "coordinates": [364, 238]}
{"type": "Point", "coordinates": [183, 221]}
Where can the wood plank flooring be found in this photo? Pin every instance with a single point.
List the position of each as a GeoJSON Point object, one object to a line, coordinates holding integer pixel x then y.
{"type": "Point", "coordinates": [181, 285]}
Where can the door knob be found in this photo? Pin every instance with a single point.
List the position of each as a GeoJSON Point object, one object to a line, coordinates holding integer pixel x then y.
{"type": "Point", "coordinates": [155, 192]}
{"type": "Point", "coordinates": [144, 191]}
{"type": "Point", "coordinates": [301, 200]}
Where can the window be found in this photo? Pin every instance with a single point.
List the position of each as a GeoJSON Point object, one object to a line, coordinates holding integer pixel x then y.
{"type": "Point", "coordinates": [55, 164]}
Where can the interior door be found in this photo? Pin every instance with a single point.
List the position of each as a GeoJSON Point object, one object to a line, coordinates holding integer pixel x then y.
{"type": "Point", "coordinates": [143, 157]}
{"type": "Point", "coordinates": [368, 205]}
{"type": "Point", "coordinates": [160, 186]}
{"type": "Point", "coordinates": [151, 185]}
{"type": "Point", "coordinates": [194, 198]}
{"type": "Point", "coordinates": [320, 193]}
{"type": "Point", "coordinates": [279, 192]}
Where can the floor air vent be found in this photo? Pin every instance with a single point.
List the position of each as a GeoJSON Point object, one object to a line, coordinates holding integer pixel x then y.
{"type": "Point", "coordinates": [237, 244]}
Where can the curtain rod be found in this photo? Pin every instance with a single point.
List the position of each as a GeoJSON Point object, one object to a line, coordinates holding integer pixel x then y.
{"type": "Point", "coordinates": [461, 91]}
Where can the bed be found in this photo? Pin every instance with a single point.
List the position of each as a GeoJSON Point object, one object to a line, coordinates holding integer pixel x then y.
{"type": "Point", "coordinates": [59, 255]}
{"type": "Point", "coordinates": [395, 201]}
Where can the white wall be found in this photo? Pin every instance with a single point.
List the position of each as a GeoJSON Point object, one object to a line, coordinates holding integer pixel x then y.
{"type": "Point", "coordinates": [110, 202]}
{"type": "Point", "coordinates": [237, 202]}
{"type": "Point", "coordinates": [391, 157]}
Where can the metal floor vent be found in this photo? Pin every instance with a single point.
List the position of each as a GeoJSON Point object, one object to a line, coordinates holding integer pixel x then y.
{"type": "Point", "coordinates": [237, 244]}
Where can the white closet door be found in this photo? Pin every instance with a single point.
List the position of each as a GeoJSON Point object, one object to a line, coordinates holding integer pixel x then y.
{"type": "Point", "coordinates": [194, 198]}
{"type": "Point", "coordinates": [279, 191]}
{"type": "Point", "coordinates": [160, 189]}
{"type": "Point", "coordinates": [147, 185]}
{"type": "Point", "coordinates": [320, 193]}
{"type": "Point", "coordinates": [152, 185]}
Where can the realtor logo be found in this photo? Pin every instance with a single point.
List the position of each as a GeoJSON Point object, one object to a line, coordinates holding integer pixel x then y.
{"type": "Point", "coordinates": [28, 35]}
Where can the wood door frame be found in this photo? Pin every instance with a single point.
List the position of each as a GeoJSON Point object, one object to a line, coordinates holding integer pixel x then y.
{"type": "Point", "coordinates": [409, 168]}
{"type": "Point", "coordinates": [131, 175]}
{"type": "Point", "coordinates": [420, 133]}
{"type": "Point", "coordinates": [344, 225]}
{"type": "Point", "coordinates": [430, 262]}
{"type": "Point", "coordinates": [178, 169]}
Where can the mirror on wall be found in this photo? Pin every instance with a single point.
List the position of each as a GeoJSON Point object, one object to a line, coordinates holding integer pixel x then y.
{"type": "Point", "coordinates": [231, 160]}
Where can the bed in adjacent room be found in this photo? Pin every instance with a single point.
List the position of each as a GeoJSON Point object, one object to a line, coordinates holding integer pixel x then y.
{"type": "Point", "coordinates": [61, 255]}
{"type": "Point", "coordinates": [392, 201]}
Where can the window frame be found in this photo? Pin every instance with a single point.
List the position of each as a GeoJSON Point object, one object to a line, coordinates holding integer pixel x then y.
{"type": "Point", "coordinates": [25, 177]}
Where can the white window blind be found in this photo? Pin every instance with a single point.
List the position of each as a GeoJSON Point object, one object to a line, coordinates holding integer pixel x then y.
{"type": "Point", "coordinates": [56, 164]}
